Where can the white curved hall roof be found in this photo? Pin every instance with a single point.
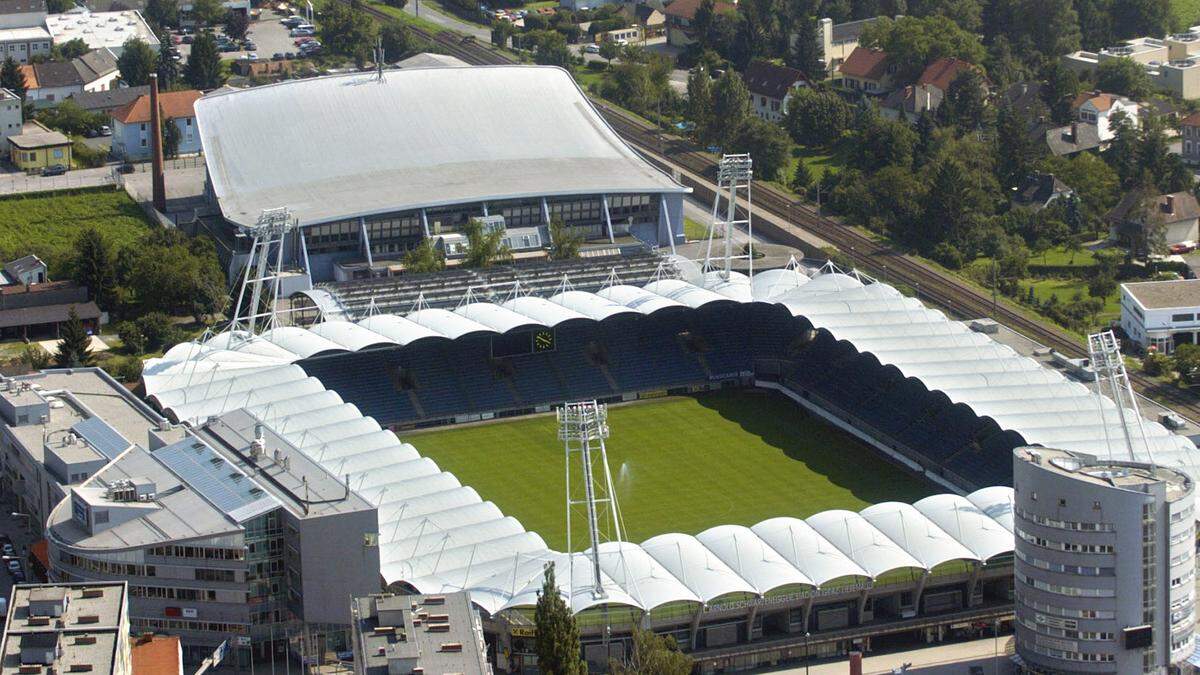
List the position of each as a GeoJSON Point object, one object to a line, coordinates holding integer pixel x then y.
{"type": "Point", "coordinates": [481, 550]}
{"type": "Point", "coordinates": [344, 146]}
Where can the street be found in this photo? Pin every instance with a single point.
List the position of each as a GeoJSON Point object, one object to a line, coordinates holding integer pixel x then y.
{"type": "Point", "coordinates": [17, 530]}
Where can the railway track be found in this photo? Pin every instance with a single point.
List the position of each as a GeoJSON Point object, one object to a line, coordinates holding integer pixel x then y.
{"type": "Point", "coordinates": [947, 292]}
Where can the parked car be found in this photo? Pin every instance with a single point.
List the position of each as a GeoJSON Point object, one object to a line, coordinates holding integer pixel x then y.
{"type": "Point", "coordinates": [1183, 247]}
{"type": "Point", "coordinates": [251, 56]}
{"type": "Point", "coordinates": [125, 168]}
{"type": "Point", "coordinates": [14, 566]}
{"type": "Point", "coordinates": [301, 40]}
{"type": "Point", "coordinates": [176, 39]}
{"type": "Point", "coordinates": [289, 55]}
{"type": "Point", "coordinates": [105, 130]}
{"type": "Point", "coordinates": [187, 39]}
{"type": "Point", "coordinates": [292, 21]}
{"type": "Point", "coordinates": [277, 56]}
{"type": "Point", "coordinates": [250, 46]}
{"type": "Point", "coordinates": [8, 549]}
{"type": "Point", "coordinates": [298, 32]}
{"type": "Point", "coordinates": [18, 577]}
{"type": "Point", "coordinates": [592, 49]}
{"type": "Point", "coordinates": [227, 47]}
{"type": "Point", "coordinates": [56, 170]}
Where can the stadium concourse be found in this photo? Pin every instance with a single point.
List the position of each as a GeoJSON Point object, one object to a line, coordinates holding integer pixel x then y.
{"type": "Point", "coordinates": [847, 344]}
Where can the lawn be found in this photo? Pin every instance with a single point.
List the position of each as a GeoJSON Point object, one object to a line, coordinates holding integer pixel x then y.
{"type": "Point", "coordinates": [47, 223]}
{"type": "Point", "coordinates": [679, 465]}
{"type": "Point", "coordinates": [694, 230]}
{"type": "Point", "coordinates": [1059, 256]}
{"type": "Point", "coordinates": [1066, 289]}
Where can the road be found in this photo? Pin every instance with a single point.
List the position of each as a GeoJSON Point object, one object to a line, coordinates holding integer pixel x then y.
{"type": "Point", "coordinates": [433, 12]}
{"type": "Point", "coordinates": [16, 182]}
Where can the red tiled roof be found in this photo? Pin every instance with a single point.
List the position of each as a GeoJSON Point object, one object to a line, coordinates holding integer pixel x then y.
{"type": "Point", "coordinates": [868, 64]}
{"type": "Point", "coordinates": [942, 72]}
{"type": "Point", "coordinates": [1192, 120]}
{"type": "Point", "coordinates": [1101, 100]}
{"type": "Point", "coordinates": [174, 104]}
{"type": "Point", "coordinates": [771, 79]}
{"type": "Point", "coordinates": [686, 9]}
{"type": "Point", "coordinates": [30, 76]}
{"type": "Point", "coordinates": [157, 655]}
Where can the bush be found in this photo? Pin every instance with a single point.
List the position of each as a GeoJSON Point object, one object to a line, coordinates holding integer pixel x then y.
{"type": "Point", "coordinates": [87, 155]}
{"type": "Point", "coordinates": [126, 369]}
{"type": "Point", "coordinates": [35, 358]}
{"type": "Point", "coordinates": [131, 335]}
{"type": "Point", "coordinates": [948, 255]}
{"type": "Point", "coordinates": [1155, 364]}
{"type": "Point", "coordinates": [173, 336]}
{"type": "Point", "coordinates": [154, 328]}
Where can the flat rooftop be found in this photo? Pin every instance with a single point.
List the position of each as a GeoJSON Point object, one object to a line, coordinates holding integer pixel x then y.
{"type": "Point", "coordinates": [101, 29]}
{"type": "Point", "coordinates": [88, 634]}
{"type": "Point", "coordinates": [419, 630]}
{"type": "Point", "coordinates": [1165, 294]}
{"type": "Point", "coordinates": [1134, 476]}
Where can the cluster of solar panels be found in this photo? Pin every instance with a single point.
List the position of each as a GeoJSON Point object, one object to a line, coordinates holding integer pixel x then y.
{"type": "Point", "coordinates": [212, 476]}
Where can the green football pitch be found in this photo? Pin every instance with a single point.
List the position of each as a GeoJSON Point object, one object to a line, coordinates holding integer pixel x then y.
{"type": "Point", "coordinates": [680, 464]}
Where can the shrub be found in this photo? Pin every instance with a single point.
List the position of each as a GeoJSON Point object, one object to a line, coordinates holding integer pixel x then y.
{"type": "Point", "coordinates": [947, 254]}
{"type": "Point", "coordinates": [154, 328]}
{"type": "Point", "coordinates": [35, 357]}
{"type": "Point", "coordinates": [1155, 364]}
{"type": "Point", "coordinates": [131, 335]}
{"type": "Point", "coordinates": [127, 369]}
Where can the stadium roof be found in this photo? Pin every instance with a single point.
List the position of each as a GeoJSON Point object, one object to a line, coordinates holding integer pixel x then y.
{"type": "Point", "coordinates": [345, 146]}
{"type": "Point", "coordinates": [494, 557]}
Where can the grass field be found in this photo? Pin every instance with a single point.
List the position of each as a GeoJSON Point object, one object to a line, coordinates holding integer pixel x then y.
{"type": "Point", "coordinates": [679, 465]}
{"type": "Point", "coordinates": [47, 224]}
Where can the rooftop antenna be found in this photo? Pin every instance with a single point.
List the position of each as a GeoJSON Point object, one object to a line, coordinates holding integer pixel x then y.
{"type": "Point", "coordinates": [267, 237]}
{"type": "Point", "coordinates": [1106, 361]}
{"type": "Point", "coordinates": [734, 173]}
{"type": "Point", "coordinates": [378, 59]}
{"type": "Point", "coordinates": [582, 427]}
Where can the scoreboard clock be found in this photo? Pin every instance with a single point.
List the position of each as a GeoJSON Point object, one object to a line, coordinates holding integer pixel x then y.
{"type": "Point", "coordinates": [543, 341]}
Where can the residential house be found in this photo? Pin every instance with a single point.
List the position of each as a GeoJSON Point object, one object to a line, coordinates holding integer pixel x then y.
{"type": "Point", "coordinates": [1040, 190]}
{"type": "Point", "coordinates": [51, 82]}
{"type": "Point", "coordinates": [1190, 131]}
{"type": "Point", "coordinates": [11, 118]}
{"type": "Point", "coordinates": [868, 71]}
{"type": "Point", "coordinates": [927, 93]}
{"type": "Point", "coordinates": [1102, 110]}
{"type": "Point", "coordinates": [771, 88]}
{"type": "Point", "coordinates": [108, 100]}
{"type": "Point", "coordinates": [838, 41]}
{"type": "Point", "coordinates": [98, 70]}
{"type": "Point", "coordinates": [101, 29]}
{"type": "Point", "coordinates": [22, 13]}
{"type": "Point", "coordinates": [1073, 139]}
{"type": "Point", "coordinates": [37, 147]}
{"type": "Point", "coordinates": [24, 43]}
{"type": "Point", "coordinates": [652, 21]}
{"type": "Point", "coordinates": [680, 15]}
{"type": "Point", "coordinates": [25, 270]}
{"type": "Point", "coordinates": [131, 124]}
{"type": "Point", "coordinates": [1144, 222]}
{"type": "Point", "coordinates": [40, 310]}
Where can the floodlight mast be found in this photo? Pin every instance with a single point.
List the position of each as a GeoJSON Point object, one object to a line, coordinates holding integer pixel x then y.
{"type": "Point", "coordinates": [268, 233]}
{"type": "Point", "coordinates": [580, 425]}
{"type": "Point", "coordinates": [1109, 366]}
{"type": "Point", "coordinates": [734, 173]}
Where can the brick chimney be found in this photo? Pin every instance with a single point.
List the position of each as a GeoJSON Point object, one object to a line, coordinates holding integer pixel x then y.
{"type": "Point", "coordinates": [1074, 132]}
{"type": "Point", "coordinates": [1169, 205]}
{"type": "Point", "coordinates": [157, 180]}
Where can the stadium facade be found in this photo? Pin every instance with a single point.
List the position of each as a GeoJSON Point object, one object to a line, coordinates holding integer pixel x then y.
{"type": "Point", "coordinates": [371, 165]}
{"type": "Point", "coordinates": [943, 400]}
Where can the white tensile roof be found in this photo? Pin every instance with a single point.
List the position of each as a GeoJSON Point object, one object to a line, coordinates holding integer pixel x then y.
{"type": "Point", "coordinates": [345, 146]}
{"type": "Point", "coordinates": [478, 549]}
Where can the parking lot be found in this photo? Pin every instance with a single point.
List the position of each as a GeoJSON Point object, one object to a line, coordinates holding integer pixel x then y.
{"type": "Point", "coordinates": [267, 34]}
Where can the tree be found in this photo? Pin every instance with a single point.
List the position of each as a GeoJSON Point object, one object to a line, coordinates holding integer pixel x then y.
{"type": "Point", "coordinates": [203, 68]}
{"type": "Point", "coordinates": [966, 100]}
{"type": "Point", "coordinates": [731, 107]}
{"type": "Point", "coordinates": [69, 118]}
{"type": "Point", "coordinates": [817, 118]}
{"type": "Point", "coordinates": [236, 25]}
{"type": "Point", "coordinates": [70, 49]}
{"type": "Point", "coordinates": [501, 32]}
{"type": "Point", "coordinates": [34, 357]}
{"type": "Point", "coordinates": [92, 266]}
{"type": "Point", "coordinates": [557, 638]}
{"type": "Point", "coordinates": [766, 143]}
{"type": "Point", "coordinates": [700, 102]}
{"type": "Point", "coordinates": [347, 31]}
{"type": "Point", "coordinates": [162, 14]}
{"type": "Point", "coordinates": [912, 42]}
{"type": "Point", "coordinates": [564, 242]}
{"type": "Point", "coordinates": [208, 12]}
{"type": "Point", "coordinates": [424, 257]}
{"type": "Point", "coordinates": [1102, 286]}
{"type": "Point", "coordinates": [805, 53]}
{"type": "Point", "coordinates": [171, 136]}
{"type": "Point", "coordinates": [11, 77]}
{"type": "Point", "coordinates": [1187, 362]}
{"type": "Point", "coordinates": [138, 60]}
{"type": "Point", "coordinates": [551, 49]}
{"type": "Point", "coordinates": [74, 346]}
{"type": "Point", "coordinates": [653, 655]}
{"type": "Point", "coordinates": [1062, 86]}
{"type": "Point", "coordinates": [58, 6]}
{"type": "Point", "coordinates": [1141, 17]}
{"type": "Point", "coordinates": [396, 40]}
{"type": "Point", "coordinates": [167, 68]}
{"type": "Point", "coordinates": [484, 247]}
{"type": "Point", "coordinates": [609, 50]}
{"type": "Point", "coordinates": [881, 142]}
{"type": "Point", "coordinates": [1014, 150]}
{"type": "Point", "coordinates": [1124, 76]}
{"type": "Point", "coordinates": [170, 272]}
{"type": "Point", "coordinates": [801, 178]}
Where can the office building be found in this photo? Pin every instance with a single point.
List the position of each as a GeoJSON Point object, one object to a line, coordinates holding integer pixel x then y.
{"type": "Point", "coordinates": [1105, 568]}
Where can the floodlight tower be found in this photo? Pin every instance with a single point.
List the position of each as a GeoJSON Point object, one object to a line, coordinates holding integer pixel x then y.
{"type": "Point", "coordinates": [267, 237]}
{"type": "Point", "coordinates": [734, 173]}
{"type": "Point", "coordinates": [582, 427]}
{"type": "Point", "coordinates": [1109, 366]}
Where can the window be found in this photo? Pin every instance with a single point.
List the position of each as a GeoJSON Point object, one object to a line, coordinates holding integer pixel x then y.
{"type": "Point", "coordinates": [1180, 318]}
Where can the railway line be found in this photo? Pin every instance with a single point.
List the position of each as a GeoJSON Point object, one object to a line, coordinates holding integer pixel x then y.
{"type": "Point", "coordinates": [934, 286]}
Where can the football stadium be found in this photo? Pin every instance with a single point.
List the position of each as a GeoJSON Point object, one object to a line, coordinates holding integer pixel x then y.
{"type": "Point", "coordinates": [807, 461]}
